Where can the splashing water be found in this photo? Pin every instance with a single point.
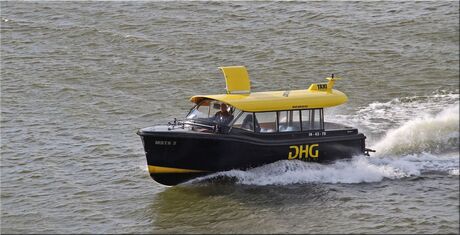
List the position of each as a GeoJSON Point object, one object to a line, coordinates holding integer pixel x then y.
{"type": "Point", "coordinates": [379, 117]}
{"type": "Point", "coordinates": [295, 172]}
{"type": "Point", "coordinates": [436, 134]}
{"type": "Point", "coordinates": [359, 169]}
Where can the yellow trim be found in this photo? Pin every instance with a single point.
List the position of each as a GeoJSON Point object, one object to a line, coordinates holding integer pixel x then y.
{"type": "Point", "coordinates": [161, 169]}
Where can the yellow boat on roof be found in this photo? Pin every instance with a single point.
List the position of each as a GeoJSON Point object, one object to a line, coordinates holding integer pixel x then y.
{"type": "Point", "coordinates": [240, 96]}
{"type": "Point", "coordinates": [243, 129]}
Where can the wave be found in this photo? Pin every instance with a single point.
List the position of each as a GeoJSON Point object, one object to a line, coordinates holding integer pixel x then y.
{"type": "Point", "coordinates": [379, 117]}
{"type": "Point", "coordinates": [359, 169]}
{"type": "Point", "coordinates": [430, 133]}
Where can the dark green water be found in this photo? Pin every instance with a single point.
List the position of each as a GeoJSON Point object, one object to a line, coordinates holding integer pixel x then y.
{"type": "Point", "coordinates": [78, 79]}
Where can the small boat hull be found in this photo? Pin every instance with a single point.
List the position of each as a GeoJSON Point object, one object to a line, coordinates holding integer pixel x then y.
{"type": "Point", "coordinates": [174, 157]}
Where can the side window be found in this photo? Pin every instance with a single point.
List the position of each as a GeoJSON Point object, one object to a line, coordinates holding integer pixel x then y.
{"type": "Point", "coordinates": [312, 119]}
{"type": "Point", "coordinates": [265, 122]}
{"type": "Point", "coordinates": [289, 121]}
{"type": "Point", "coordinates": [318, 113]}
{"type": "Point", "coordinates": [245, 121]}
{"type": "Point", "coordinates": [306, 119]}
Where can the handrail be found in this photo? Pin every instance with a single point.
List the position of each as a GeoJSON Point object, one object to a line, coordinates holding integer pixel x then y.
{"type": "Point", "coordinates": [198, 124]}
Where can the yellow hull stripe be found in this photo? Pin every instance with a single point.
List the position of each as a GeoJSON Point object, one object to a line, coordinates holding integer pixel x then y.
{"type": "Point", "coordinates": [161, 169]}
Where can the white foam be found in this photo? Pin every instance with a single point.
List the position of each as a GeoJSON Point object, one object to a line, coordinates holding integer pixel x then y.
{"type": "Point", "coordinates": [436, 134]}
{"type": "Point", "coordinates": [359, 169]}
{"type": "Point", "coordinates": [379, 117]}
{"type": "Point", "coordinates": [421, 162]}
{"type": "Point", "coordinates": [454, 172]}
{"type": "Point", "coordinates": [296, 172]}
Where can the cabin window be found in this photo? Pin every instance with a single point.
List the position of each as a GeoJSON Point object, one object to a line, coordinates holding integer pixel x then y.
{"type": "Point", "coordinates": [245, 122]}
{"type": "Point", "coordinates": [199, 111]}
{"type": "Point", "coordinates": [214, 108]}
{"type": "Point", "coordinates": [213, 111]}
{"type": "Point", "coordinates": [312, 119]}
{"type": "Point", "coordinates": [265, 122]}
{"type": "Point", "coordinates": [289, 121]}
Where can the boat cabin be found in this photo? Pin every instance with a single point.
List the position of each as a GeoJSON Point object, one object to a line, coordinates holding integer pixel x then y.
{"type": "Point", "coordinates": [240, 111]}
{"type": "Point", "coordinates": [208, 112]}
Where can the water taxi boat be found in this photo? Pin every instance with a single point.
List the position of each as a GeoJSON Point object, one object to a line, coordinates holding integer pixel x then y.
{"type": "Point", "coordinates": [243, 129]}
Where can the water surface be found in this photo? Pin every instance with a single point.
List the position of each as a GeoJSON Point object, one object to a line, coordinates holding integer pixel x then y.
{"type": "Point", "coordinates": [78, 79]}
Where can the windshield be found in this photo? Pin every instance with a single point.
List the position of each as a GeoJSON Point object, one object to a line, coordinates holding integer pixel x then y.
{"type": "Point", "coordinates": [212, 111]}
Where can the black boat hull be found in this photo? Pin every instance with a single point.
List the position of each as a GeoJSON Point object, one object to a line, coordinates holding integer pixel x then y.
{"type": "Point", "coordinates": [175, 157]}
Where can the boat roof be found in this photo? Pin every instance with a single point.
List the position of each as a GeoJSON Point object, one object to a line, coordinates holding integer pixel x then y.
{"type": "Point", "coordinates": [318, 95]}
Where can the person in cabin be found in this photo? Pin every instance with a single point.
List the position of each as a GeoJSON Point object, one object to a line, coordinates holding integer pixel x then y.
{"type": "Point", "coordinates": [223, 117]}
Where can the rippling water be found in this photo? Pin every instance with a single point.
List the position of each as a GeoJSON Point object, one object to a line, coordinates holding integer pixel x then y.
{"type": "Point", "coordinates": [79, 78]}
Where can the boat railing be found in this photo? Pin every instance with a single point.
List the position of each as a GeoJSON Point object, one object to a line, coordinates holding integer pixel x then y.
{"type": "Point", "coordinates": [193, 123]}
{"type": "Point", "coordinates": [182, 123]}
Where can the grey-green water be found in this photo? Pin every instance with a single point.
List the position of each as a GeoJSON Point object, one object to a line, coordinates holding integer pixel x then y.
{"type": "Point", "coordinates": [79, 78]}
